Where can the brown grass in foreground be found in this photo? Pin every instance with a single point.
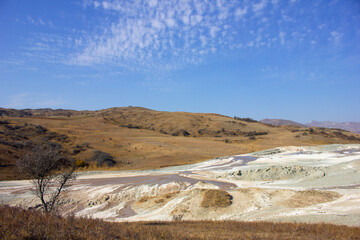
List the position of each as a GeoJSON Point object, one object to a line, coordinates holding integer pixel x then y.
{"type": "Point", "coordinates": [16, 223]}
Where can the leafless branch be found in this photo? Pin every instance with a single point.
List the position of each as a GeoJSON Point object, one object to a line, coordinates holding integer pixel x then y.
{"type": "Point", "coordinates": [50, 171]}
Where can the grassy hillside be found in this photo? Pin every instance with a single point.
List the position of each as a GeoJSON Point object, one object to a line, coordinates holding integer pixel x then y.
{"type": "Point", "coordinates": [139, 138]}
{"type": "Point", "coordinates": [16, 223]}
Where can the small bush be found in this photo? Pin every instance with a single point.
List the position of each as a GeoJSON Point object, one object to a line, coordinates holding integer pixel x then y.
{"type": "Point", "coordinates": [81, 163]}
{"type": "Point", "coordinates": [255, 133]}
{"type": "Point", "coordinates": [250, 120]}
{"type": "Point", "coordinates": [40, 129]}
{"type": "Point", "coordinates": [132, 126]}
{"type": "Point", "coordinates": [181, 132]}
{"type": "Point", "coordinates": [103, 158]}
{"type": "Point", "coordinates": [4, 122]}
{"type": "Point", "coordinates": [162, 131]}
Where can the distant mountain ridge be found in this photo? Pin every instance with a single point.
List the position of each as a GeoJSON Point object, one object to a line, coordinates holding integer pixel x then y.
{"type": "Point", "coordinates": [42, 112]}
{"type": "Point", "coordinates": [282, 122]}
{"type": "Point", "coordinates": [349, 126]}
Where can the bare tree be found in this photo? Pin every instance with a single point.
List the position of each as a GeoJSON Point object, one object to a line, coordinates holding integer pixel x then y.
{"type": "Point", "coordinates": [50, 171]}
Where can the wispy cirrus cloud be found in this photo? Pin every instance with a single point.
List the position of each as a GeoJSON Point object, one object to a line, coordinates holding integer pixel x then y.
{"type": "Point", "coordinates": [167, 34]}
{"type": "Point", "coordinates": [259, 6]}
{"type": "Point", "coordinates": [335, 37]}
{"type": "Point", "coordinates": [29, 100]}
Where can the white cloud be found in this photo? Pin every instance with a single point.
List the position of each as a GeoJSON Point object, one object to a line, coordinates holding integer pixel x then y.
{"type": "Point", "coordinates": [106, 5]}
{"type": "Point", "coordinates": [335, 37]}
{"type": "Point", "coordinates": [41, 22]}
{"type": "Point", "coordinates": [157, 24]}
{"type": "Point", "coordinates": [186, 19]}
{"type": "Point", "coordinates": [96, 4]}
{"type": "Point", "coordinates": [321, 26]}
{"type": "Point", "coordinates": [37, 22]}
{"type": "Point", "coordinates": [213, 31]}
{"type": "Point", "coordinates": [282, 38]}
{"type": "Point", "coordinates": [274, 2]}
{"type": "Point", "coordinates": [239, 12]}
{"type": "Point", "coordinates": [167, 34]}
{"type": "Point", "coordinates": [27, 100]}
{"type": "Point", "coordinates": [152, 3]}
{"type": "Point", "coordinates": [258, 7]}
{"type": "Point", "coordinates": [170, 22]}
{"type": "Point", "coordinates": [203, 40]}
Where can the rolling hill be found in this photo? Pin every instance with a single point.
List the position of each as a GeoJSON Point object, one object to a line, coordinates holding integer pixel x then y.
{"type": "Point", "coordinates": [140, 138]}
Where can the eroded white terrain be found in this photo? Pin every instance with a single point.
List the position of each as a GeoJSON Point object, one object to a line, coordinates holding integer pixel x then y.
{"type": "Point", "coordinates": [307, 184]}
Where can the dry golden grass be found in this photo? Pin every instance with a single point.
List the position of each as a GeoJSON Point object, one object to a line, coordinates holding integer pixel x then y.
{"type": "Point", "coordinates": [215, 198]}
{"type": "Point", "coordinates": [144, 199]}
{"type": "Point", "coordinates": [310, 197]}
{"type": "Point", "coordinates": [140, 138]}
{"type": "Point", "coordinates": [16, 223]}
{"type": "Point", "coordinates": [157, 199]}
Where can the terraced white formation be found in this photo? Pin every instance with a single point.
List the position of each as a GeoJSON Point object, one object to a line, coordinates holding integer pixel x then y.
{"type": "Point", "coordinates": [309, 184]}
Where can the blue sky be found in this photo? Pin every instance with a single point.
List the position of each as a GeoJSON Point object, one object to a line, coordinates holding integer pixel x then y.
{"type": "Point", "coordinates": [293, 59]}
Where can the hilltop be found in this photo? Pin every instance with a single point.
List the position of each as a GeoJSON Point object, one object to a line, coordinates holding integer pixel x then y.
{"type": "Point", "coordinates": [140, 138]}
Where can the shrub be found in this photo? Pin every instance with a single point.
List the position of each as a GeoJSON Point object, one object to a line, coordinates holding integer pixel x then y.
{"type": "Point", "coordinates": [81, 163]}
{"type": "Point", "coordinates": [250, 120]}
{"type": "Point", "coordinates": [181, 132]}
{"type": "Point", "coordinates": [4, 122]}
{"type": "Point", "coordinates": [40, 129]}
{"type": "Point", "coordinates": [162, 131]}
{"type": "Point", "coordinates": [102, 158]}
{"type": "Point", "coordinates": [255, 133]}
{"type": "Point", "coordinates": [201, 131]}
